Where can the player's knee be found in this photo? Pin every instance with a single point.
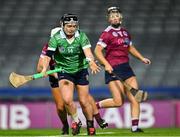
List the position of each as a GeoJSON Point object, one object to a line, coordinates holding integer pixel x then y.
{"type": "Point", "coordinates": [68, 102]}
{"type": "Point", "coordinates": [118, 102]}
{"type": "Point", "coordinates": [83, 102]}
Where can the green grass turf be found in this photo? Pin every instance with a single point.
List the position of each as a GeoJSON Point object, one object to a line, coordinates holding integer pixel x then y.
{"type": "Point", "coordinates": [149, 132]}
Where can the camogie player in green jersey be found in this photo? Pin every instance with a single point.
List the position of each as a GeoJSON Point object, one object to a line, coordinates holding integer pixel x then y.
{"type": "Point", "coordinates": [70, 48]}
{"type": "Point", "coordinates": [53, 80]}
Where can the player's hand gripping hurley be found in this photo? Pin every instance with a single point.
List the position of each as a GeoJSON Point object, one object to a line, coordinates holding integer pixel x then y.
{"type": "Point", "coordinates": [17, 80]}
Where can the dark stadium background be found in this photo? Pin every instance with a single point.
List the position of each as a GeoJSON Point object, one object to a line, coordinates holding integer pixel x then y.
{"type": "Point", "coordinates": [25, 26]}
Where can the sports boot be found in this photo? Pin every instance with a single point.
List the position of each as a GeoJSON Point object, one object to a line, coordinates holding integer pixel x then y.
{"type": "Point", "coordinates": [76, 127]}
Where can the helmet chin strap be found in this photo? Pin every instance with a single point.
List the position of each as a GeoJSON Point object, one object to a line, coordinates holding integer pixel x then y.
{"type": "Point", "coordinates": [116, 25]}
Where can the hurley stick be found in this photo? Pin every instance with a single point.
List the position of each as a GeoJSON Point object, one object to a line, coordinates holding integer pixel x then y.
{"type": "Point", "coordinates": [139, 95]}
{"type": "Point", "coordinates": [17, 80]}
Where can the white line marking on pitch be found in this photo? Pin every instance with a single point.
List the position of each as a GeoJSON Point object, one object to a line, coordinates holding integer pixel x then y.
{"type": "Point", "coordinates": [98, 133]}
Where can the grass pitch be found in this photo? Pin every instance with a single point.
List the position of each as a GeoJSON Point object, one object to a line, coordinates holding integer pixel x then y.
{"type": "Point", "coordinates": [149, 132]}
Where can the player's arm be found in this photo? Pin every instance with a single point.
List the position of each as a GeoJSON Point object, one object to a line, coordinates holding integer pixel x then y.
{"type": "Point", "coordinates": [138, 55]}
{"type": "Point", "coordinates": [86, 46]}
{"type": "Point", "coordinates": [90, 58]}
{"type": "Point", "coordinates": [101, 44]}
{"type": "Point", "coordinates": [52, 45]}
{"type": "Point", "coordinates": [45, 63]}
{"type": "Point", "coordinates": [39, 65]}
{"type": "Point", "coordinates": [99, 52]}
{"type": "Point", "coordinates": [100, 56]}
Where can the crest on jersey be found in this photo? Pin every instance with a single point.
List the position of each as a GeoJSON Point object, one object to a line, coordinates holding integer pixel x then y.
{"type": "Point", "coordinates": [61, 49]}
{"type": "Point", "coordinates": [126, 41]}
{"type": "Point", "coordinates": [114, 34]}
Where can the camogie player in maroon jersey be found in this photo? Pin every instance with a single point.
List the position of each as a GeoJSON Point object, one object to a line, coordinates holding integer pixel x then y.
{"type": "Point", "coordinates": [60, 107]}
{"type": "Point", "coordinates": [116, 42]}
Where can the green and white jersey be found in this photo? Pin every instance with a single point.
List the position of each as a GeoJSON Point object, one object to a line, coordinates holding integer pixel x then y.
{"type": "Point", "coordinates": [69, 53]}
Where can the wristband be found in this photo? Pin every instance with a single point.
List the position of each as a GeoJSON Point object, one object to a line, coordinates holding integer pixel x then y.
{"type": "Point", "coordinates": [89, 59]}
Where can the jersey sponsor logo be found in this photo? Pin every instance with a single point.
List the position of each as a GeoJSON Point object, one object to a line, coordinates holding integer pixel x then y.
{"type": "Point", "coordinates": [125, 42]}
{"type": "Point", "coordinates": [120, 41]}
{"type": "Point", "coordinates": [114, 34]}
{"type": "Point", "coordinates": [125, 33]}
{"type": "Point", "coordinates": [122, 33]}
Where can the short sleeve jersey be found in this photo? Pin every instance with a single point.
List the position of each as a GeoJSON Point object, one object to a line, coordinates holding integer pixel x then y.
{"type": "Point", "coordinates": [116, 43]}
{"type": "Point", "coordinates": [69, 55]}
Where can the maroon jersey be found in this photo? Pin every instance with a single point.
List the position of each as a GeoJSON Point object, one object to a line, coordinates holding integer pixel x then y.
{"type": "Point", "coordinates": [116, 43]}
{"type": "Point", "coordinates": [44, 51]}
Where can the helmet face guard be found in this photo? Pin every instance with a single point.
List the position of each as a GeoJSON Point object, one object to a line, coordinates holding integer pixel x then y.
{"type": "Point", "coordinates": [113, 10]}
{"type": "Point", "coordinates": [69, 18]}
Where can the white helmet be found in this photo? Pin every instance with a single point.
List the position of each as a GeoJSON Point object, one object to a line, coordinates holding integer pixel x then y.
{"type": "Point", "coordinates": [115, 10]}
